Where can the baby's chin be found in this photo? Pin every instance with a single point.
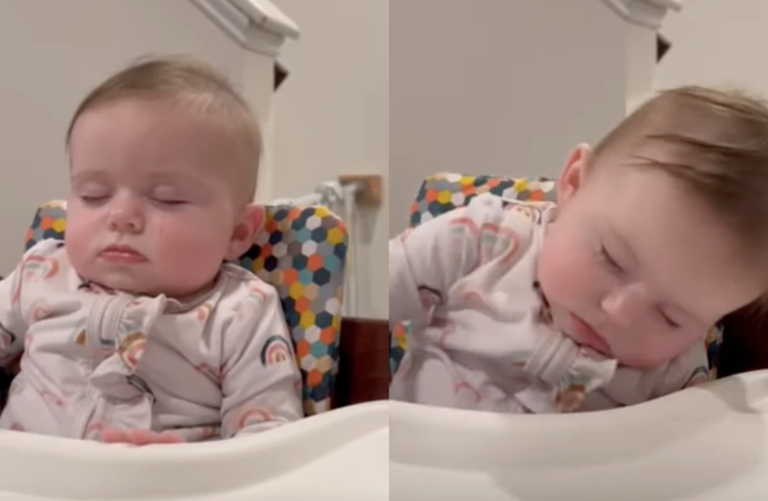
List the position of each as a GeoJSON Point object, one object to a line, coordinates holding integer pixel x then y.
{"type": "Point", "coordinates": [134, 285]}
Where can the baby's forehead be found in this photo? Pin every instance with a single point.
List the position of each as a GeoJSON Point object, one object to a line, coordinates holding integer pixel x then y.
{"type": "Point", "coordinates": [141, 111]}
{"type": "Point", "coordinates": [160, 137]}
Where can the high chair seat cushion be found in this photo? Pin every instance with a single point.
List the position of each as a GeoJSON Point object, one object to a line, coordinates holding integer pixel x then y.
{"type": "Point", "coordinates": [301, 251]}
{"type": "Point", "coordinates": [444, 192]}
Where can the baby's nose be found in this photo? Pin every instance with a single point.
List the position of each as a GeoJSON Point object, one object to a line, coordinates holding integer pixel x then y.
{"type": "Point", "coordinates": [126, 218]}
{"type": "Point", "coordinates": [624, 305]}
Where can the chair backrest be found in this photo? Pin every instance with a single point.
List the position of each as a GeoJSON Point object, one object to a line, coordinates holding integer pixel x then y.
{"type": "Point", "coordinates": [301, 251]}
{"type": "Point", "coordinates": [444, 192]}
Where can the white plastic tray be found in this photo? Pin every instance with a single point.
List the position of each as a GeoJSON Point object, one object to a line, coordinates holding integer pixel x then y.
{"type": "Point", "coordinates": [336, 456]}
{"type": "Point", "coordinates": [702, 444]}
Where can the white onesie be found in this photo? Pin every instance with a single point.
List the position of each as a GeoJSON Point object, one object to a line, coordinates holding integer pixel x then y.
{"type": "Point", "coordinates": [214, 366]}
{"type": "Point", "coordinates": [480, 337]}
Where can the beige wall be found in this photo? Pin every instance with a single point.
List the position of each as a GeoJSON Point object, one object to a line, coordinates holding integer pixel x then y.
{"type": "Point", "coordinates": [331, 117]}
{"type": "Point", "coordinates": [717, 43]}
{"type": "Point", "coordinates": [506, 89]}
{"type": "Point", "coordinates": [52, 53]}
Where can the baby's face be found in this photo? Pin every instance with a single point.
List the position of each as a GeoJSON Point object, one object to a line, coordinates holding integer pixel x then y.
{"type": "Point", "coordinates": [151, 206]}
{"type": "Point", "coordinates": [637, 266]}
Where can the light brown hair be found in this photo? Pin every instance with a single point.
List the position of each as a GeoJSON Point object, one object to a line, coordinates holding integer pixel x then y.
{"type": "Point", "coordinates": [718, 141]}
{"type": "Point", "coordinates": [716, 144]}
{"type": "Point", "coordinates": [195, 86]}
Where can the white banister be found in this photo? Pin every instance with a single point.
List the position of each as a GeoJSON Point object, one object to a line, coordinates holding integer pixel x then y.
{"type": "Point", "coordinates": [255, 25]}
{"type": "Point", "coordinates": [647, 13]}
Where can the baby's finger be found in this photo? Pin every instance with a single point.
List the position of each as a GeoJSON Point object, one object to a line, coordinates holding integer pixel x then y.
{"type": "Point", "coordinates": [145, 437]}
{"type": "Point", "coordinates": [113, 436]}
{"type": "Point", "coordinates": [168, 437]}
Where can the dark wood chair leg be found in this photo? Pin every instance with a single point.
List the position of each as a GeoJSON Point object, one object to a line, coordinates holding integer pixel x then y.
{"type": "Point", "coordinates": [364, 362]}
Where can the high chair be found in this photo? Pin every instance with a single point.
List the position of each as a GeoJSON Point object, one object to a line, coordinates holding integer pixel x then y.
{"type": "Point", "coordinates": [705, 443]}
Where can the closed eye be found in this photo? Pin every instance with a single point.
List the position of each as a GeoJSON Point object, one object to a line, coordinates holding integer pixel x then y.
{"type": "Point", "coordinates": [92, 200]}
{"type": "Point", "coordinates": [170, 202]}
{"type": "Point", "coordinates": [669, 321]}
{"type": "Point", "coordinates": [609, 260]}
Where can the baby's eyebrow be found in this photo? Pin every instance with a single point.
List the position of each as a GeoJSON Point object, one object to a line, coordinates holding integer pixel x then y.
{"type": "Point", "coordinates": [165, 177]}
{"type": "Point", "coordinates": [87, 175]}
{"type": "Point", "coordinates": [175, 179]}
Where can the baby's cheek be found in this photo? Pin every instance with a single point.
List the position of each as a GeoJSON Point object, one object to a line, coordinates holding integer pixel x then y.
{"type": "Point", "coordinates": [562, 275]}
{"type": "Point", "coordinates": [647, 344]}
{"type": "Point", "coordinates": [79, 245]}
{"type": "Point", "coordinates": [663, 345]}
{"type": "Point", "coordinates": [188, 248]}
{"type": "Point", "coordinates": [643, 351]}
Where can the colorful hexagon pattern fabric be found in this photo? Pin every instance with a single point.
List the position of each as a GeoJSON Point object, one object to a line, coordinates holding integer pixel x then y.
{"type": "Point", "coordinates": [444, 192]}
{"type": "Point", "coordinates": [301, 252]}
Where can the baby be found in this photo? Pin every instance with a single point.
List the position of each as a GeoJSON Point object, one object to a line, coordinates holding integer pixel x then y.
{"type": "Point", "coordinates": [135, 329]}
{"type": "Point", "coordinates": [605, 298]}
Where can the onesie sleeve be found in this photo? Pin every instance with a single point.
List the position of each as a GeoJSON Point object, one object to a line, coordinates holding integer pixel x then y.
{"type": "Point", "coordinates": [689, 369]}
{"type": "Point", "coordinates": [38, 263]}
{"type": "Point", "coordinates": [261, 382]}
{"type": "Point", "coordinates": [426, 261]}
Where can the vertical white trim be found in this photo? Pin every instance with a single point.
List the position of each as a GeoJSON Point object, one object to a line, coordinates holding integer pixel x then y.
{"type": "Point", "coordinates": [257, 84]}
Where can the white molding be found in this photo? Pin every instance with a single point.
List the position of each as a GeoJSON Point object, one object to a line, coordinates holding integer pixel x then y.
{"type": "Point", "coordinates": [647, 13]}
{"type": "Point", "coordinates": [256, 25]}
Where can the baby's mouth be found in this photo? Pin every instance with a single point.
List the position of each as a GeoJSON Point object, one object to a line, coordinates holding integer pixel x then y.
{"type": "Point", "coordinates": [585, 334]}
{"type": "Point", "coordinates": [123, 254]}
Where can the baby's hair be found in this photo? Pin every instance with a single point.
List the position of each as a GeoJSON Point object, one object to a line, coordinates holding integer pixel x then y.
{"type": "Point", "coordinates": [715, 142]}
{"type": "Point", "coordinates": [193, 85]}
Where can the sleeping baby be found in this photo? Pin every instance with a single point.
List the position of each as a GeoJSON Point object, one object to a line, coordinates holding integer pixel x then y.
{"type": "Point", "coordinates": [135, 328]}
{"type": "Point", "coordinates": [603, 299]}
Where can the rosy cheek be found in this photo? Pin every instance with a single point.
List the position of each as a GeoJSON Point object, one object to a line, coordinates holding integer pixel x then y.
{"type": "Point", "coordinates": [570, 279]}
{"type": "Point", "coordinates": [161, 228]}
{"type": "Point", "coordinates": [553, 273]}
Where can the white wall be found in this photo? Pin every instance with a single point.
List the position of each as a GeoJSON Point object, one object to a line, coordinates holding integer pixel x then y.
{"type": "Point", "coordinates": [505, 89]}
{"type": "Point", "coordinates": [53, 53]}
{"type": "Point", "coordinates": [331, 116]}
{"type": "Point", "coordinates": [717, 43]}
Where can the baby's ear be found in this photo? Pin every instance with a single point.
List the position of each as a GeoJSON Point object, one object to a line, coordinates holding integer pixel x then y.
{"type": "Point", "coordinates": [250, 221]}
{"type": "Point", "coordinates": [575, 169]}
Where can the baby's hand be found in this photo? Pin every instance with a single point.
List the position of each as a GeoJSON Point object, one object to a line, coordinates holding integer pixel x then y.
{"type": "Point", "coordinates": [139, 437]}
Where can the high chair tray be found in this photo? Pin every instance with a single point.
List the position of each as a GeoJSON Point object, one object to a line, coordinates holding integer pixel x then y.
{"type": "Point", "coordinates": [340, 455]}
{"type": "Point", "coordinates": [703, 444]}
